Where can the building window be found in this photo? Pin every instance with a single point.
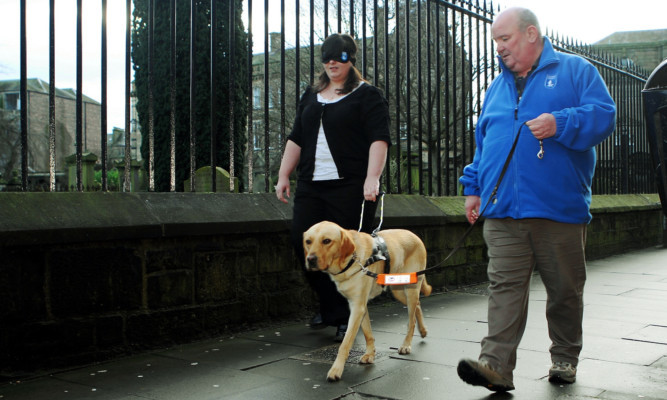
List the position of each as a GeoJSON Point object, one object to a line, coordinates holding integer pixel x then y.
{"type": "Point", "coordinates": [628, 62]}
{"type": "Point", "coordinates": [256, 98]}
{"type": "Point", "coordinates": [257, 135]}
{"type": "Point", "coordinates": [12, 101]}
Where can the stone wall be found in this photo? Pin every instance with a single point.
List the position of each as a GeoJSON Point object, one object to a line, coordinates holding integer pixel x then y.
{"type": "Point", "coordinates": [87, 276]}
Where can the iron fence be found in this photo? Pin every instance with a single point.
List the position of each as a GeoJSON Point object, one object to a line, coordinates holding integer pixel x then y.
{"type": "Point", "coordinates": [433, 59]}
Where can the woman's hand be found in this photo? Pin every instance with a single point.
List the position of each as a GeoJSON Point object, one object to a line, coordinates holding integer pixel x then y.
{"type": "Point", "coordinates": [283, 186]}
{"type": "Point", "coordinates": [371, 188]}
{"type": "Point", "coordinates": [377, 156]}
{"type": "Point", "coordinates": [290, 159]}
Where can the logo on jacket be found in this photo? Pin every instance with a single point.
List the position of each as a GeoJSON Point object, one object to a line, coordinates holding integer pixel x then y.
{"type": "Point", "coordinates": [550, 82]}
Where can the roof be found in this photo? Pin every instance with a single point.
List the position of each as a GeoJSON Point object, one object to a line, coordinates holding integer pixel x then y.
{"type": "Point", "coordinates": [628, 37]}
{"type": "Point", "coordinates": [39, 86]}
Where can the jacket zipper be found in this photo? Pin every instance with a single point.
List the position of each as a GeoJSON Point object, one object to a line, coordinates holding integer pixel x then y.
{"type": "Point", "coordinates": [515, 164]}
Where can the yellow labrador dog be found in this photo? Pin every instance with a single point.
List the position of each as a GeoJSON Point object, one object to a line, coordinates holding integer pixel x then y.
{"type": "Point", "coordinates": [342, 253]}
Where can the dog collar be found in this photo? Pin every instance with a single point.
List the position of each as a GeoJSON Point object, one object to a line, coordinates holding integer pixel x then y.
{"type": "Point", "coordinates": [349, 264]}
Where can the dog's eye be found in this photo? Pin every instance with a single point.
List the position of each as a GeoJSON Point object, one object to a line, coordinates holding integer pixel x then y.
{"type": "Point", "coordinates": [308, 241]}
{"type": "Point", "coordinates": [326, 241]}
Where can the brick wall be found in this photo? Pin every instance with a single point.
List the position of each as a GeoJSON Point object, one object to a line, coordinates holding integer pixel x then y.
{"type": "Point", "coordinates": [87, 276]}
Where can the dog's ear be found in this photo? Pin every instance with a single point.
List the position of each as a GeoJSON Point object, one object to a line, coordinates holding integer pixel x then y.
{"type": "Point", "coordinates": [346, 244]}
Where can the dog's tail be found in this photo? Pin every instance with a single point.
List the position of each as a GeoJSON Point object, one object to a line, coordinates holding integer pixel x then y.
{"type": "Point", "coordinates": [426, 288]}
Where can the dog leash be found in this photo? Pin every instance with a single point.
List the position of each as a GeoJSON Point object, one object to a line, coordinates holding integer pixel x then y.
{"type": "Point", "coordinates": [411, 277]}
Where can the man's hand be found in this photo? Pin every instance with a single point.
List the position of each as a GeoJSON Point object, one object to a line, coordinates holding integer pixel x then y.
{"type": "Point", "coordinates": [543, 126]}
{"type": "Point", "coordinates": [472, 208]}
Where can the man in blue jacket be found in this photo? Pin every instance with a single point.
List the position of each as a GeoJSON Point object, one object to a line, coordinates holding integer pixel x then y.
{"type": "Point", "coordinates": [561, 109]}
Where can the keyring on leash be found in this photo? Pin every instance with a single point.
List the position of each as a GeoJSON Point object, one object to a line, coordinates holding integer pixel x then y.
{"type": "Point", "coordinates": [361, 220]}
{"type": "Point", "coordinates": [540, 154]}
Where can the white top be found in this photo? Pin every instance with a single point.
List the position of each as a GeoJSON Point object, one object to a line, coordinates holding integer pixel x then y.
{"type": "Point", "coordinates": [325, 167]}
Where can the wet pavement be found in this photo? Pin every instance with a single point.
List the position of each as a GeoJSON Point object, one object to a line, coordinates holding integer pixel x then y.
{"type": "Point", "coordinates": [624, 355]}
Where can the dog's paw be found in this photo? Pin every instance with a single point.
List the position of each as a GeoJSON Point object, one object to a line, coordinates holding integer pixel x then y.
{"type": "Point", "coordinates": [423, 332]}
{"type": "Point", "coordinates": [404, 349]}
{"type": "Point", "coordinates": [368, 358]}
{"type": "Point", "coordinates": [334, 374]}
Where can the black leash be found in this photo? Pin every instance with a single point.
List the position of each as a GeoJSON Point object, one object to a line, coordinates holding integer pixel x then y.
{"type": "Point", "coordinates": [380, 248]}
{"type": "Point", "coordinates": [408, 278]}
{"type": "Point", "coordinates": [493, 195]}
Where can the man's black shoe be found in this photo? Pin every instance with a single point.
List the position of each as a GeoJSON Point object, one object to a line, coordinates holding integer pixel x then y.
{"type": "Point", "coordinates": [340, 333]}
{"type": "Point", "coordinates": [316, 322]}
{"type": "Point", "coordinates": [479, 373]}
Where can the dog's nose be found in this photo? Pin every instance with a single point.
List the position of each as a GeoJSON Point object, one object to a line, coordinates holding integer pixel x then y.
{"type": "Point", "coordinates": [311, 260]}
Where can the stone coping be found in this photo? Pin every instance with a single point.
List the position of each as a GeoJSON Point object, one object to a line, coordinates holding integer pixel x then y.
{"type": "Point", "coordinates": [48, 218]}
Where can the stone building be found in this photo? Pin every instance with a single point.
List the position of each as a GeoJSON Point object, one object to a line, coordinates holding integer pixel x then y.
{"type": "Point", "coordinates": [37, 104]}
{"type": "Point", "coordinates": [645, 49]}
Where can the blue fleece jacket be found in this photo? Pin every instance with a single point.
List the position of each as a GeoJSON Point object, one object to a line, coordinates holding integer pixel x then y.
{"type": "Point", "coordinates": [558, 186]}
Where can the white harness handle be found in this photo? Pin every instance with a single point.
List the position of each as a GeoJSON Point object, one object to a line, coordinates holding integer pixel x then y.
{"type": "Point", "coordinates": [361, 221]}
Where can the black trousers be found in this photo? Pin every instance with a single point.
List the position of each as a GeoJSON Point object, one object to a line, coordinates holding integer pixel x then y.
{"type": "Point", "coordinates": [337, 201]}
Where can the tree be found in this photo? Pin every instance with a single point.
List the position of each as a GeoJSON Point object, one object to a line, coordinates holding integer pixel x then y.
{"type": "Point", "coordinates": [161, 70]}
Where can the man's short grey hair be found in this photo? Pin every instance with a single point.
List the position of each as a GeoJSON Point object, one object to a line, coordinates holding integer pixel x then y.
{"type": "Point", "coordinates": [527, 18]}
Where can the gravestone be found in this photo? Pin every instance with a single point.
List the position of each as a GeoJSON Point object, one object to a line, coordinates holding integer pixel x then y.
{"type": "Point", "coordinates": [203, 181]}
{"type": "Point", "coordinates": [136, 176]}
{"type": "Point", "coordinates": [88, 161]}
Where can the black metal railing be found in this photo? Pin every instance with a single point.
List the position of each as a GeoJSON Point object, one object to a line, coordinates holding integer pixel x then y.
{"type": "Point", "coordinates": [433, 59]}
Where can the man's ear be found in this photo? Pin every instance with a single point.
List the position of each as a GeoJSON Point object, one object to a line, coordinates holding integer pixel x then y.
{"type": "Point", "coordinates": [533, 34]}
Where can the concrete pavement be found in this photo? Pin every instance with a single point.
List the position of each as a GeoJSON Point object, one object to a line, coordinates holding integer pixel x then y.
{"type": "Point", "coordinates": [624, 354]}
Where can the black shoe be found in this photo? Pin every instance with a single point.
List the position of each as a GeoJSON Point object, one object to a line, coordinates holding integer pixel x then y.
{"type": "Point", "coordinates": [479, 373]}
{"type": "Point", "coordinates": [316, 322]}
{"type": "Point", "coordinates": [340, 333]}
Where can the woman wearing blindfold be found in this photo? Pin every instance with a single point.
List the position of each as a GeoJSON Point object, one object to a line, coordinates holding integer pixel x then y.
{"type": "Point", "coordinates": [338, 146]}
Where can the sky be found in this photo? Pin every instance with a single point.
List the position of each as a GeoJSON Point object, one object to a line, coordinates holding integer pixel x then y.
{"type": "Point", "coordinates": [585, 20]}
{"type": "Point", "coordinates": [592, 20]}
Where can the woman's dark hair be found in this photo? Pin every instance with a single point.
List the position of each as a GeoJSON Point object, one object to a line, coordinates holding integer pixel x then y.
{"type": "Point", "coordinates": [352, 81]}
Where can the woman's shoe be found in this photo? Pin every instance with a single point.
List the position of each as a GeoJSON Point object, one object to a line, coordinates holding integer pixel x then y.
{"type": "Point", "coordinates": [340, 333]}
{"type": "Point", "coordinates": [316, 322]}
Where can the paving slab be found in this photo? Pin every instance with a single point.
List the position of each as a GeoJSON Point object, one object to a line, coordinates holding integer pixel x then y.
{"type": "Point", "coordinates": [594, 326]}
{"type": "Point", "coordinates": [50, 388]}
{"type": "Point", "coordinates": [650, 334]}
{"type": "Point", "coordinates": [157, 376]}
{"type": "Point", "coordinates": [637, 314]}
{"type": "Point", "coordinates": [622, 351]}
{"type": "Point", "coordinates": [237, 353]}
{"type": "Point", "coordinates": [639, 381]}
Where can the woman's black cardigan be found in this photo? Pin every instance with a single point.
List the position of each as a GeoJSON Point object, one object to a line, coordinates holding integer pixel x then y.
{"type": "Point", "coordinates": [350, 126]}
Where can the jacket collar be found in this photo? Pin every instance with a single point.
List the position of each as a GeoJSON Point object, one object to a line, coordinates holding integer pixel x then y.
{"type": "Point", "coordinates": [548, 56]}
